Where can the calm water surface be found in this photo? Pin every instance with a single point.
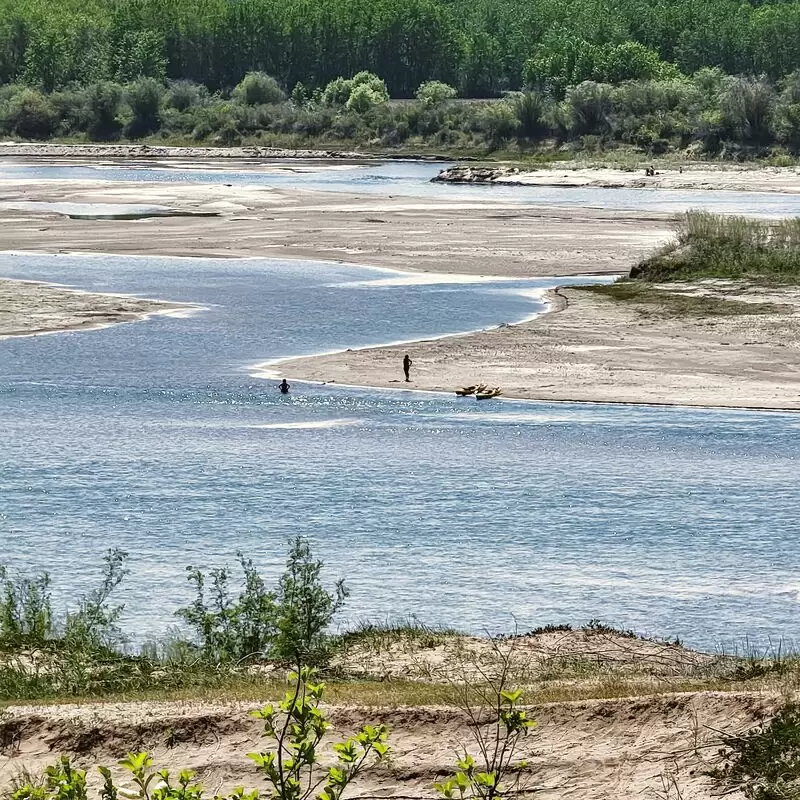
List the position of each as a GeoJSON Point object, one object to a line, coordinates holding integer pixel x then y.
{"type": "Point", "coordinates": [157, 438]}
{"type": "Point", "coordinates": [412, 179]}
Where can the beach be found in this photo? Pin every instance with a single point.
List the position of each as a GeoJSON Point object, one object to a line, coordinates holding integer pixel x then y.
{"type": "Point", "coordinates": [30, 308]}
{"type": "Point", "coordinates": [589, 348]}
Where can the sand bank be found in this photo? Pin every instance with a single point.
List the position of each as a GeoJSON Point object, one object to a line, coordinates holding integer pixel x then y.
{"type": "Point", "coordinates": [430, 234]}
{"type": "Point", "coordinates": [721, 177]}
{"type": "Point", "coordinates": [28, 308]}
{"type": "Point", "coordinates": [593, 348]}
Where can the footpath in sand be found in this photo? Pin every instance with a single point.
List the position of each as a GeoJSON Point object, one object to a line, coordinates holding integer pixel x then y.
{"type": "Point", "coordinates": [597, 349]}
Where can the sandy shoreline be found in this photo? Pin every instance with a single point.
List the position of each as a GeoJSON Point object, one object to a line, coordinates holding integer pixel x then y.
{"type": "Point", "coordinates": [595, 350]}
{"type": "Point", "coordinates": [31, 308]}
{"type": "Point", "coordinates": [692, 177]}
{"type": "Point", "coordinates": [589, 348]}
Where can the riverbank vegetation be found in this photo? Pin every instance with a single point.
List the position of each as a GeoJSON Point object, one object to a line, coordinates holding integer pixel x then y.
{"type": "Point", "coordinates": [708, 114]}
{"type": "Point", "coordinates": [240, 634]}
{"type": "Point", "coordinates": [729, 248]}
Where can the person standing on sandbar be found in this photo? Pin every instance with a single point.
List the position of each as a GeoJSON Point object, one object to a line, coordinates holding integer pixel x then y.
{"type": "Point", "coordinates": [407, 362]}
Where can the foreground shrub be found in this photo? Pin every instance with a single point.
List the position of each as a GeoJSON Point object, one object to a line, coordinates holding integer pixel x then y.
{"type": "Point", "coordinates": [765, 762]}
{"type": "Point", "coordinates": [290, 766]}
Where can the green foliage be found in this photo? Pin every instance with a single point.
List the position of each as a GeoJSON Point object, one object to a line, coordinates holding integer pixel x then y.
{"type": "Point", "coordinates": [305, 609]}
{"type": "Point", "coordinates": [498, 725]}
{"type": "Point", "coordinates": [718, 246]}
{"type": "Point", "coordinates": [359, 93]}
{"type": "Point", "coordinates": [434, 93]}
{"type": "Point", "coordinates": [103, 106]}
{"type": "Point", "coordinates": [257, 89]}
{"type": "Point", "coordinates": [26, 613]}
{"type": "Point", "coordinates": [746, 108]}
{"type": "Point", "coordinates": [287, 624]}
{"type": "Point", "coordinates": [144, 100]}
{"type": "Point", "coordinates": [296, 727]}
{"type": "Point", "coordinates": [765, 762]}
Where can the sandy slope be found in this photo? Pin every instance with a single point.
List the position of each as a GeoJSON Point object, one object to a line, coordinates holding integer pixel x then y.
{"type": "Point", "coordinates": [593, 750]}
{"type": "Point", "coordinates": [592, 348]}
{"type": "Point", "coordinates": [28, 308]}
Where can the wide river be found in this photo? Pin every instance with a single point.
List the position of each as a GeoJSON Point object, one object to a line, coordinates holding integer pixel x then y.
{"type": "Point", "coordinates": [159, 437]}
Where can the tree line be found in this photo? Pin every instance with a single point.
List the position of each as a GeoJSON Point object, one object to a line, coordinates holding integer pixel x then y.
{"type": "Point", "coordinates": [482, 47]}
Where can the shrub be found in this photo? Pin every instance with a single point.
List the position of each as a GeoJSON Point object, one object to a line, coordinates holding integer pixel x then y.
{"type": "Point", "coordinates": [183, 95]}
{"type": "Point", "coordinates": [497, 121]}
{"type": "Point", "coordinates": [305, 609]}
{"type": "Point", "coordinates": [30, 114]}
{"type": "Point", "coordinates": [101, 111]}
{"type": "Point", "coordinates": [434, 93]}
{"type": "Point", "coordinates": [589, 106]}
{"type": "Point", "coordinates": [371, 91]}
{"type": "Point", "coordinates": [746, 108]}
{"type": "Point", "coordinates": [530, 109]}
{"type": "Point", "coordinates": [764, 763]}
{"type": "Point", "coordinates": [257, 88]}
{"type": "Point", "coordinates": [144, 100]}
{"type": "Point", "coordinates": [289, 624]}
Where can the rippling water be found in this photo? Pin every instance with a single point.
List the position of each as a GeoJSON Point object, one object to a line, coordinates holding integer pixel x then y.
{"type": "Point", "coordinates": [155, 437]}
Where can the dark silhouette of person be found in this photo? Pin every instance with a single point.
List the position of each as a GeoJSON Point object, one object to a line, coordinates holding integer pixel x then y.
{"type": "Point", "coordinates": [407, 362]}
{"type": "Point", "coordinates": [284, 387]}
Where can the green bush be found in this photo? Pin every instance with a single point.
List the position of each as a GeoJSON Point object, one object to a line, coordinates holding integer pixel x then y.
{"type": "Point", "coordinates": [144, 100]}
{"type": "Point", "coordinates": [30, 115]}
{"type": "Point", "coordinates": [257, 88]}
{"type": "Point", "coordinates": [101, 111]}
{"type": "Point", "coordinates": [288, 624]}
{"type": "Point", "coordinates": [434, 93]}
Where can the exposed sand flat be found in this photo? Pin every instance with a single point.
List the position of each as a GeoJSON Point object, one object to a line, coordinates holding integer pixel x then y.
{"type": "Point", "coordinates": [593, 750]}
{"type": "Point", "coordinates": [437, 235]}
{"type": "Point", "coordinates": [28, 308]}
{"type": "Point", "coordinates": [592, 348]}
{"type": "Point", "coordinates": [694, 176]}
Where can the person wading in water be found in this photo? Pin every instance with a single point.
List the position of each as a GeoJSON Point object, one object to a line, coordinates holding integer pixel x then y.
{"type": "Point", "coordinates": [284, 387]}
{"type": "Point", "coordinates": [407, 362]}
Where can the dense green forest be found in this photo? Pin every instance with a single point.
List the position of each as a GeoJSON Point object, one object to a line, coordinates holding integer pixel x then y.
{"type": "Point", "coordinates": [722, 77]}
{"type": "Point", "coordinates": [482, 47]}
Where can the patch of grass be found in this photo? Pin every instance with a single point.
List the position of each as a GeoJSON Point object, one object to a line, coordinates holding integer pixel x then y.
{"type": "Point", "coordinates": [651, 300]}
{"type": "Point", "coordinates": [380, 637]}
{"type": "Point", "coordinates": [765, 762]}
{"type": "Point", "coordinates": [728, 247]}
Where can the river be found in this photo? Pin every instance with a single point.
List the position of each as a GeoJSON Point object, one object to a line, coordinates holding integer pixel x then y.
{"type": "Point", "coordinates": [156, 437]}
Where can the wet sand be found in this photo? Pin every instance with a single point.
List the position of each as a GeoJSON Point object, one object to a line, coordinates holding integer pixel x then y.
{"type": "Point", "coordinates": [29, 308]}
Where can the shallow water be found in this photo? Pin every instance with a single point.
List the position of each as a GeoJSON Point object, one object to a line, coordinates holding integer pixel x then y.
{"type": "Point", "coordinates": [102, 210]}
{"type": "Point", "coordinates": [155, 437]}
{"type": "Point", "coordinates": [412, 179]}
